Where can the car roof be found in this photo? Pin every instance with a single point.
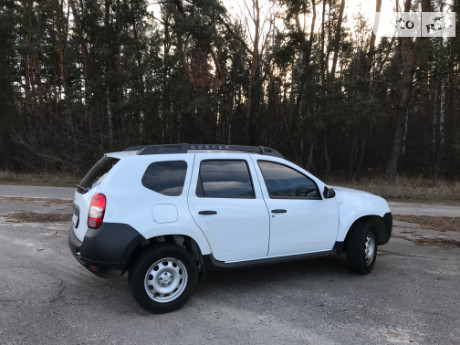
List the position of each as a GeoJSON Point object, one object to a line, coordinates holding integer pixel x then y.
{"type": "Point", "coordinates": [193, 148]}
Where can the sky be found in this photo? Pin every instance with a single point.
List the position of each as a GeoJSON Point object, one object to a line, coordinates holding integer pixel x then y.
{"type": "Point", "coordinates": [240, 9]}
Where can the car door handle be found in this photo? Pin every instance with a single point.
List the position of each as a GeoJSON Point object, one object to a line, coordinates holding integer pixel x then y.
{"type": "Point", "coordinates": [279, 211]}
{"type": "Point", "coordinates": [207, 212]}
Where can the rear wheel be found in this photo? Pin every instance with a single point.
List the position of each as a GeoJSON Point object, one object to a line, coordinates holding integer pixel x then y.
{"type": "Point", "coordinates": [163, 278]}
{"type": "Point", "coordinates": [362, 248]}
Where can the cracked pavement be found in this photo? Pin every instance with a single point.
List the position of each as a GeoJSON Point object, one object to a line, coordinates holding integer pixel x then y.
{"type": "Point", "coordinates": [46, 297]}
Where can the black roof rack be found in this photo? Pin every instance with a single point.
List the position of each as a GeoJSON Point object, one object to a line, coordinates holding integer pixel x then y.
{"type": "Point", "coordinates": [135, 148]}
{"type": "Point", "coordinates": [184, 148]}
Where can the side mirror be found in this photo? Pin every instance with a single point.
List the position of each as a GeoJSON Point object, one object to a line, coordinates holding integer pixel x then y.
{"type": "Point", "coordinates": [328, 192]}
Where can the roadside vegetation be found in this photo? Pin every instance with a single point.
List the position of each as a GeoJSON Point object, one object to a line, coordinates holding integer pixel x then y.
{"type": "Point", "coordinates": [401, 189]}
{"type": "Point", "coordinates": [407, 188]}
{"type": "Point", "coordinates": [44, 179]}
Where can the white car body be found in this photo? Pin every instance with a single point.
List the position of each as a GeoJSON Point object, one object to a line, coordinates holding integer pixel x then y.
{"type": "Point", "coordinates": [218, 231]}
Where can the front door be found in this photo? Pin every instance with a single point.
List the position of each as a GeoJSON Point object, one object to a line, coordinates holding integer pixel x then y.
{"type": "Point", "coordinates": [300, 220]}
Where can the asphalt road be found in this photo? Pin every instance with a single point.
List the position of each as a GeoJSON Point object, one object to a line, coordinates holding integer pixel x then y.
{"type": "Point", "coordinates": [411, 297]}
{"type": "Point", "coordinates": [37, 192]}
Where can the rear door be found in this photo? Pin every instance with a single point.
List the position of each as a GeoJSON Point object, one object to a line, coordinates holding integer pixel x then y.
{"type": "Point", "coordinates": [226, 202]}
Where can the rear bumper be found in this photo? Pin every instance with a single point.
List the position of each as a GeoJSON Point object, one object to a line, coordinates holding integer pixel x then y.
{"type": "Point", "coordinates": [106, 251]}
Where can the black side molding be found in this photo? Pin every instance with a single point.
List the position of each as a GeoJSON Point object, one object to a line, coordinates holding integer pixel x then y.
{"type": "Point", "coordinates": [211, 264]}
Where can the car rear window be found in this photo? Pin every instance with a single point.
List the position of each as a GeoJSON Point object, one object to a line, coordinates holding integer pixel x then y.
{"type": "Point", "coordinates": [97, 173]}
{"type": "Point", "coordinates": [166, 177]}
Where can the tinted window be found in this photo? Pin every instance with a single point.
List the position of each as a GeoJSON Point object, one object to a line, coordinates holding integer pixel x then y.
{"type": "Point", "coordinates": [96, 173]}
{"type": "Point", "coordinates": [225, 179]}
{"type": "Point", "coordinates": [165, 177]}
{"type": "Point", "coordinates": [285, 182]}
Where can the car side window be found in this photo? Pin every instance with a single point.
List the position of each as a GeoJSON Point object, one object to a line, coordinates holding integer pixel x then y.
{"type": "Point", "coordinates": [166, 177]}
{"type": "Point", "coordinates": [224, 179]}
{"type": "Point", "coordinates": [283, 182]}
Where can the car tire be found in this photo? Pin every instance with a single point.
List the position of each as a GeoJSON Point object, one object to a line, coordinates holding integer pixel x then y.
{"type": "Point", "coordinates": [362, 247]}
{"type": "Point", "coordinates": [163, 278]}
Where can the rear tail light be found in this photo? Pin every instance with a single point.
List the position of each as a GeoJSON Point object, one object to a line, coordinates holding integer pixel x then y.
{"type": "Point", "coordinates": [96, 211]}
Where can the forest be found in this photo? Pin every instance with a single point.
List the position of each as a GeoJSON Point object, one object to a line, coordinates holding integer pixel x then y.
{"type": "Point", "coordinates": [306, 77]}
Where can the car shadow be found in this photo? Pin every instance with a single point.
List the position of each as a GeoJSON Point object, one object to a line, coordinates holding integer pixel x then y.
{"type": "Point", "coordinates": [113, 294]}
{"type": "Point", "coordinates": [260, 276]}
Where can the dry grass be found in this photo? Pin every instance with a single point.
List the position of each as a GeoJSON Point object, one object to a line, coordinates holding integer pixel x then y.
{"type": "Point", "coordinates": [441, 224]}
{"type": "Point", "coordinates": [407, 189]}
{"type": "Point", "coordinates": [20, 199]}
{"type": "Point", "coordinates": [45, 179]}
{"type": "Point", "coordinates": [430, 242]}
{"type": "Point", "coordinates": [34, 217]}
{"type": "Point", "coordinates": [436, 242]}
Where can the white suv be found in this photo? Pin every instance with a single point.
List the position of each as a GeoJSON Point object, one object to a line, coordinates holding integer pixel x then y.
{"type": "Point", "coordinates": [166, 213]}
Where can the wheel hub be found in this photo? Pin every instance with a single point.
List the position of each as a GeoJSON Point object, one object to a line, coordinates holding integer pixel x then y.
{"type": "Point", "coordinates": [165, 279]}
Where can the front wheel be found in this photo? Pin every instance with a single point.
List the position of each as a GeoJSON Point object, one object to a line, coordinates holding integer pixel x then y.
{"type": "Point", "coordinates": [163, 278]}
{"type": "Point", "coordinates": [362, 248]}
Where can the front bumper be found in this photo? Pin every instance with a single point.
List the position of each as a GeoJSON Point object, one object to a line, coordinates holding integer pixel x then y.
{"type": "Point", "coordinates": [388, 220]}
{"type": "Point", "coordinates": [106, 251]}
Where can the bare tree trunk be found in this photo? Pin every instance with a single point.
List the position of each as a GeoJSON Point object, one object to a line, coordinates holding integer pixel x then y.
{"type": "Point", "coordinates": [371, 52]}
{"type": "Point", "coordinates": [140, 80]}
{"type": "Point", "coordinates": [402, 107]}
{"type": "Point", "coordinates": [107, 52]}
{"type": "Point", "coordinates": [359, 143]}
{"type": "Point", "coordinates": [62, 30]}
{"type": "Point", "coordinates": [277, 95]}
{"type": "Point", "coordinates": [402, 114]}
{"type": "Point", "coordinates": [304, 59]}
{"type": "Point", "coordinates": [322, 60]}
{"type": "Point", "coordinates": [81, 36]}
{"type": "Point", "coordinates": [254, 61]}
{"type": "Point", "coordinates": [324, 82]}
{"type": "Point", "coordinates": [337, 39]}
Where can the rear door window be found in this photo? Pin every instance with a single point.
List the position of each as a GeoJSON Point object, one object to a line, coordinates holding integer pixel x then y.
{"type": "Point", "coordinates": [97, 173]}
{"type": "Point", "coordinates": [166, 177]}
{"type": "Point", "coordinates": [224, 179]}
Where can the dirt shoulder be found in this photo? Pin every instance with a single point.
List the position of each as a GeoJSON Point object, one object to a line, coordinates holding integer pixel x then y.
{"type": "Point", "coordinates": [428, 231]}
{"type": "Point", "coordinates": [441, 224]}
{"type": "Point", "coordinates": [424, 209]}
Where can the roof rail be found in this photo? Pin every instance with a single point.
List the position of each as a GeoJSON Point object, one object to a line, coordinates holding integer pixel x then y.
{"type": "Point", "coordinates": [184, 148]}
{"type": "Point", "coordinates": [135, 148]}
{"type": "Point", "coordinates": [162, 149]}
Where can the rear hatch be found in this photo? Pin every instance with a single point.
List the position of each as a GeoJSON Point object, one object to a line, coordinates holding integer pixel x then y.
{"type": "Point", "coordinates": [85, 192]}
